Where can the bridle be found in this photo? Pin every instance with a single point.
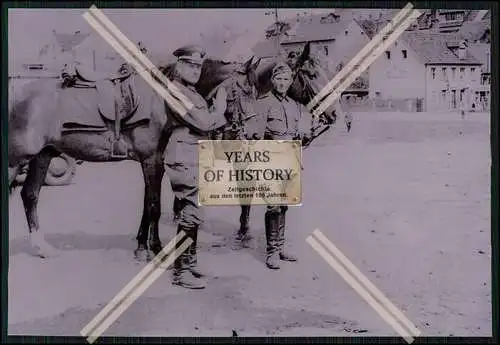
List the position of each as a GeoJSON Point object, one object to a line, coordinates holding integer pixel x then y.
{"type": "Point", "coordinates": [236, 113]}
{"type": "Point", "coordinates": [307, 93]}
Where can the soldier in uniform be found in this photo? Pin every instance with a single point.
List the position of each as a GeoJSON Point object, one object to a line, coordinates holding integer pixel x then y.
{"type": "Point", "coordinates": [181, 156]}
{"type": "Point", "coordinates": [279, 118]}
{"type": "Point", "coordinates": [344, 107]}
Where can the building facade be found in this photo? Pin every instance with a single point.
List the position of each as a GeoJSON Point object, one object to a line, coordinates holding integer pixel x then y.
{"type": "Point", "coordinates": [482, 93]}
{"type": "Point", "coordinates": [435, 70]}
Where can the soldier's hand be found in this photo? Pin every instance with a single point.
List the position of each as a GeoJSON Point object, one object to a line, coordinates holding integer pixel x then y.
{"type": "Point", "coordinates": [306, 140]}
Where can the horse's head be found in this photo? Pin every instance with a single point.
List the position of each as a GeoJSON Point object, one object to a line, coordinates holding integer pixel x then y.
{"type": "Point", "coordinates": [246, 76]}
{"type": "Point", "coordinates": [241, 87]}
{"type": "Point", "coordinates": [309, 79]}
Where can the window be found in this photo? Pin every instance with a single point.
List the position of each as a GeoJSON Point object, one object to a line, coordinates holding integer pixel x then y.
{"type": "Point", "coordinates": [485, 80]}
{"type": "Point", "coordinates": [326, 50]}
{"type": "Point", "coordinates": [444, 73]}
{"type": "Point", "coordinates": [443, 96]}
{"type": "Point", "coordinates": [388, 55]}
{"type": "Point", "coordinates": [462, 72]}
{"type": "Point", "coordinates": [453, 73]}
{"type": "Point", "coordinates": [433, 72]}
{"type": "Point", "coordinates": [405, 53]}
{"type": "Point", "coordinates": [451, 16]}
{"type": "Point", "coordinates": [377, 94]}
{"type": "Point", "coordinates": [346, 32]}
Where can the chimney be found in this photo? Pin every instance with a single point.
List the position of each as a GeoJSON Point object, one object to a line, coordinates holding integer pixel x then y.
{"type": "Point", "coordinates": [462, 53]}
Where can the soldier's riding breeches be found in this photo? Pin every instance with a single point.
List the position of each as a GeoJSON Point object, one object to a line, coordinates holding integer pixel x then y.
{"type": "Point", "coordinates": [183, 179]}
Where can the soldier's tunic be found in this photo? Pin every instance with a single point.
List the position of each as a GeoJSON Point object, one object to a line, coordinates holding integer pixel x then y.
{"type": "Point", "coordinates": [281, 118]}
{"type": "Point", "coordinates": [181, 154]}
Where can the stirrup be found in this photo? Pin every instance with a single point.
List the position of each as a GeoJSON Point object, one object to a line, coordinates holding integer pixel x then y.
{"type": "Point", "coordinates": [119, 149]}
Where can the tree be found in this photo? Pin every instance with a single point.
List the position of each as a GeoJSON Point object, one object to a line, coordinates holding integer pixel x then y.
{"type": "Point", "coordinates": [278, 29]}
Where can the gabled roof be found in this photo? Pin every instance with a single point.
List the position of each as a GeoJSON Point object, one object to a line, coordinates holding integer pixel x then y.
{"type": "Point", "coordinates": [482, 52]}
{"type": "Point", "coordinates": [68, 42]}
{"type": "Point", "coordinates": [429, 47]}
{"type": "Point", "coordinates": [474, 30]}
{"type": "Point", "coordinates": [319, 27]}
{"type": "Point", "coordinates": [436, 48]}
{"type": "Point", "coordinates": [265, 48]}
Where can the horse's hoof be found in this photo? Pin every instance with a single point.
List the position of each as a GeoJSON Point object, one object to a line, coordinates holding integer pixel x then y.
{"type": "Point", "coordinates": [156, 248]}
{"type": "Point", "coordinates": [247, 241]}
{"type": "Point", "coordinates": [40, 247]}
{"type": "Point", "coordinates": [243, 240]}
{"type": "Point", "coordinates": [142, 254]}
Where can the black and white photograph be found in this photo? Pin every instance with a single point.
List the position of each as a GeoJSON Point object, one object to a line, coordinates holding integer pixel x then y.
{"type": "Point", "coordinates": [392, 235]}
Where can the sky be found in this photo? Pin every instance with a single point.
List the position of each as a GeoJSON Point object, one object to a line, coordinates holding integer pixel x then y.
{"type": "Point", "coordinates": [162, 30]}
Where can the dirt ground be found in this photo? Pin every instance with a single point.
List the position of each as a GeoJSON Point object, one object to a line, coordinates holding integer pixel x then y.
{"type": "Point", "coordinates": [406, 197]}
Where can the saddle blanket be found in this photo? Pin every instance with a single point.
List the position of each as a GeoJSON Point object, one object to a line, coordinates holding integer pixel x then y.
{"type": "Point", "coordinates": [94, 108]}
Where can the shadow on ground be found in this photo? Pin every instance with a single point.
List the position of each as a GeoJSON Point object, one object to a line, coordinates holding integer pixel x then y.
{"type": "Point", "coordinates": [77, 241]}
{"type": "Point", "coordinates": [227, 309]}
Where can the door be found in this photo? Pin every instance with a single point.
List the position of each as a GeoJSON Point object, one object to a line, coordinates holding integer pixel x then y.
{"type": "Point", "coordinates": [453, 99]}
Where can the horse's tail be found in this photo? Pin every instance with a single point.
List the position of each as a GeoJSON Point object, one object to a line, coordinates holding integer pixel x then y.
{"type": "Point", "coordinates": [12, 187]}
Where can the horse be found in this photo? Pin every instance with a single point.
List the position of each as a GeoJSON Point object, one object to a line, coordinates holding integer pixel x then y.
{"type": "Point", "coordinates": [51, 117]}
{"type": "Point", "coordinates": [309, 79]}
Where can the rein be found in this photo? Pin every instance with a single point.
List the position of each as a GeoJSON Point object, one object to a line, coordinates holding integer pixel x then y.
{"type": "Point", "coordinates": [323, 125]}
{"type": "Point", "coordinates": [235, 111]}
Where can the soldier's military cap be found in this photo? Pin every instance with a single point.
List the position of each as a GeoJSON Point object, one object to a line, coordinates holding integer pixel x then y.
{"type": "Point", "coordinates": [192, 53]}
{"type": "Point", "coordinates": [281, 68]}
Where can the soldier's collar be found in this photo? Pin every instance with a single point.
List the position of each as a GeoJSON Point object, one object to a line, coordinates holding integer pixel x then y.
{"type": "Point", "coordinates": [280, 97]}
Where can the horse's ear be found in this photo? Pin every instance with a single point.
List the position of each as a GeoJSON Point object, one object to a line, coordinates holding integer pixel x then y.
{"type": "Point", "coordinates": [247, 64]}
{"type": "Point", "coordinates": [256, 64]}
{"type": "Point", "coordinates": [305, 54]}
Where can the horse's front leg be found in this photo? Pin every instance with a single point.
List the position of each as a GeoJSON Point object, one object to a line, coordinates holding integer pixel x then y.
{"type": "Point", "coordinates": [148, 238]}
{"type": "Point", "coordinates": [30, 194]}
{"type": "Point", "coordinates": [243, 233]}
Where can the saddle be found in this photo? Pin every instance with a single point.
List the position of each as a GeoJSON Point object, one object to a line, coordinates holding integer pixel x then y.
{"type": "Point", "coordinates": [116, 98]}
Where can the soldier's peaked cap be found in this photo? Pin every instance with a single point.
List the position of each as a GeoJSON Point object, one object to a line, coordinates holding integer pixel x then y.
{"type": "Point", "coordinates": [191, 53]}
{"type": "Point", "coordinates": [281, 68]}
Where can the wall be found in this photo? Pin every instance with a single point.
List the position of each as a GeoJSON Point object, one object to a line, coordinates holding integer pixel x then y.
{"type": "Point", "coordinates": [397, 78]}
{"type": "Point", "coordinates": [442, 80]}
{"type": "Point", "coordinates": [347, 44]}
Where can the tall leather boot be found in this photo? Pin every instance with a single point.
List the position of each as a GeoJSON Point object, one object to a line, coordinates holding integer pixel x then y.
{"type": "Point", "coordinates": [193, 263]}
{"type": "Point", "coordinates": [284, 255]}
{"type": "Point", "coordinates": [272, 237]}
{"type": "Point", "coordinates": [177, 209]}
{"type": "Point", "coordinates": [182, 265]}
